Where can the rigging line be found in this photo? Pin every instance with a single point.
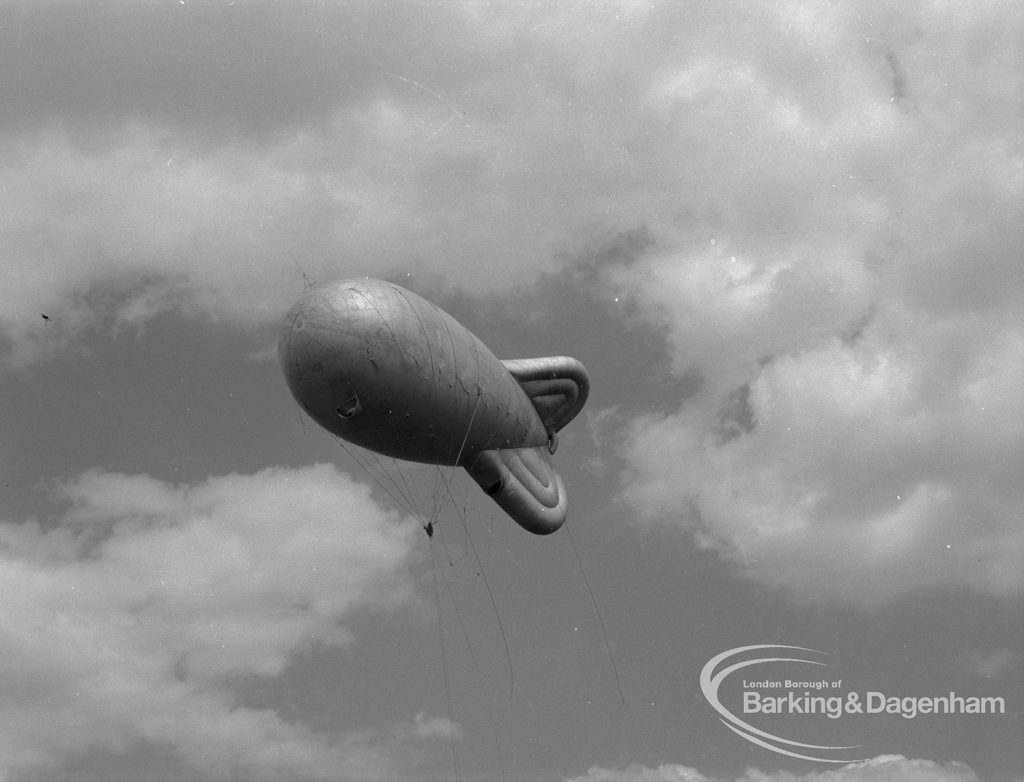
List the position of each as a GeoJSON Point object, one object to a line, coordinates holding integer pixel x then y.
{"type": "Point", "coordinates": [486, 446]}
{"type": "Point", "coordinates": [403, 501]}
{"type": "Point", "coordinates": [443, 477]}
{"type": "Point", "coordinates": [442, 494]}
{"type": "Point", "coordinates": [353, 455]}
{"type": "Point", "coordinates": [302, 421]}
{"type": "Point", "coordinates": [494, 605]}
{"type": "Point", "coordinates": [480, 567]}
{"type": "Point", "coordinates": [380, 314]}
{"type": "Point", "coordinates": [443, 481]}
{"type": "Point", "coordinates": [394, 491]}
{"type": "Point", "coordinates": [403, 490]}
{"type": "Point", "coordinates": [445, 548]}
{"type": "Point", "coordinates": [462, 518]}
{"type": "Point", "coordinates": [443, 473]}
{"type": "Point", "coordinates": [436, 501]}
{"type": "Point", "coordinates": [600, 619]}
{"type": "Point", "coordinates": [448, 547]}
{"type": "Point", "coordinates": [469, 426]}
{"type": "Point", "coordinates": [308, 281]}
{"type": "Point", "coordinates": [497, 424]}
{"type": "Point", "coordinates": [455, 367]}
{"type": "Point", "coordinates": [476, 665]}
{"type": "Point", "coordinates": [403, 493]}
{"type": "Point", "coordinates": [423, 328]}
{"type": "Point", "coordinates": [436, 505]}
{"type": "Point", "coordinates": [406, 486]}
{"type": "Point", "coordinates": [444, 668]}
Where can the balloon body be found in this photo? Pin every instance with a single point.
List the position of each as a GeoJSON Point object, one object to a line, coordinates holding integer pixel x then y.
{"type": "Point", "coordinates": [382, 367]}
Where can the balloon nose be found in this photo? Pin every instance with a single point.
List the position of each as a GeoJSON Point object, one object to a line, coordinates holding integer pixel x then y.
{"type": "Point", "coordinates": [319, 347]}
{"type": "Point", "coordinates": [289, 339]}
{"type": "Point", "coordinates": [308, 330]}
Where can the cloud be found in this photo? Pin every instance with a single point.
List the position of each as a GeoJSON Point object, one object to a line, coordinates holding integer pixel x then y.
{"type": "Point", "coordinates": [884, 768]}
{"type": "Point", "coordinates": [190, 157]}
{"type": "Point", "coordinates": [138, 612]}
{"type": "Point", "coordinates": [113, 237]}
{"type": "Point", "coordinates": [849, 298]}
{"type": "Point", "coordinates": [831, 196]}
{"type": "Point", "coordinates": [865, 470]}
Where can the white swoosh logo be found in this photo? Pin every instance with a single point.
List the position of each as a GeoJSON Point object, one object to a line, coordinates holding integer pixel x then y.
{"type": "Point", "coordinates": [710, 682]}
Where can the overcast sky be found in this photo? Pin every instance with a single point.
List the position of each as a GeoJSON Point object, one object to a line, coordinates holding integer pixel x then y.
{"type": "Point", "coordinates": [784, 237]}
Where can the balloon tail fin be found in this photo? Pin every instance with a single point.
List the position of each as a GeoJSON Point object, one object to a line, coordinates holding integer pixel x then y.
{"type": "Point", "coordinates": [557, 385]}
{"type": "Point", "coordinates": [524, 484]}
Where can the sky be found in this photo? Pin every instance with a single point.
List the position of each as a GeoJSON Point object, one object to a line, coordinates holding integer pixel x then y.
{"type": "Point", "coordinates": [785, 238]}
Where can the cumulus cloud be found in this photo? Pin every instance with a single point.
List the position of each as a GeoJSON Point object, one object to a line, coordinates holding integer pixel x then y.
{"type": "Point", "coordinates": [136, 614]}
{"type": "Point", "coordinates": [832, 194]}
{"type": "Point", "coordinates": [109, 238]}
{"type": "Point", "coordinates": [884, 768]}
{"type": "Point", "coordinates": [852, 309]}
{"type": "Point", "coordinates": [484, 141]}
{"type": "Point", "coordinates": [858, 476]}
{"type": "Point", "coordinates": [153, 168]}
